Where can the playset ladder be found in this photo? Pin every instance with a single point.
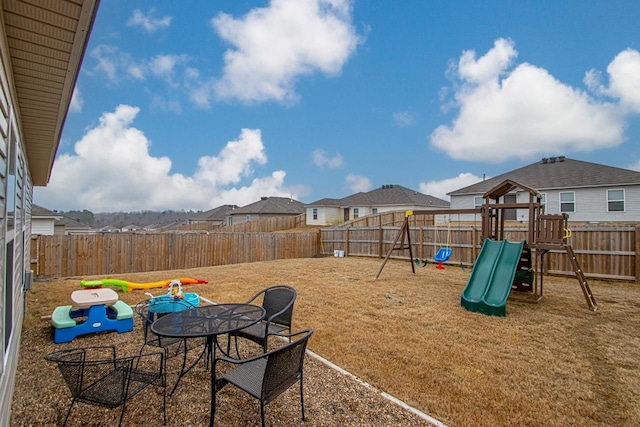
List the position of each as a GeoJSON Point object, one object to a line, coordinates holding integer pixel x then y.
{"type": "Point", "coordinates": [591, 302]}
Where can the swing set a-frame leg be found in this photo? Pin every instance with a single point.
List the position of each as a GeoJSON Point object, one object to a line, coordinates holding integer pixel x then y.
{"type": "Point", "coordinates": [404, 231]}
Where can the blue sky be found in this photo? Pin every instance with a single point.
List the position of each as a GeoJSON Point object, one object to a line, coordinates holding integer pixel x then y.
{"type": "Point", "coordinates": [222, 102]}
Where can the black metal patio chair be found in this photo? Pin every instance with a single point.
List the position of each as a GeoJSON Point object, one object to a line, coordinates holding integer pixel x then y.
{"type": "Point", "coordinates": [268, 375]}
{"type": "Point", "coordinates": [278, 302]}
{"type": "Point", "coordinates": [172, 346]}
{"type": "Point", "coordinates": [95, 376]}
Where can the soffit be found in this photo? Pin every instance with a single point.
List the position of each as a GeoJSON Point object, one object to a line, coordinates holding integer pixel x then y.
{"type": "Point", "coordinates": [46, 41]}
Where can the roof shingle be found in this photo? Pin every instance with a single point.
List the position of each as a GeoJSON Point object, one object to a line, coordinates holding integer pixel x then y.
{"type": "Point", "coordinates": [558, 173]}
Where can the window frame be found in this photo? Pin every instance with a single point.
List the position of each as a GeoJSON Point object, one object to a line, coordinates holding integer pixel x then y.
{"type": "Point", "coordinates": [475, 202]}
{"type": "Point", "coordinates": [623, 200]}
{"type": "Point", "coordinates": [572, 202]}
{"type": "Point", "coordinates": [356, 213]}
{"type": "Point", "coordinates": [315, 214]}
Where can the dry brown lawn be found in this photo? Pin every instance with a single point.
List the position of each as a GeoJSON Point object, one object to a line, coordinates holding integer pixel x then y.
{"type": "Point", "coordinates": [554, 363]}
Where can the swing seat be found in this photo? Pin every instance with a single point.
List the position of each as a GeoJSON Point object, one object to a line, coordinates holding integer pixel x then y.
{"type": "Point", "coordinates": [443, 255]}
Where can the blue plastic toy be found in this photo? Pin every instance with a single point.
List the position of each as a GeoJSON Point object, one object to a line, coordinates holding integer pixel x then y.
{"type": "Point", "coordinates": [442, 256]}
{"type": "Point", "coordinates": [115, 316]}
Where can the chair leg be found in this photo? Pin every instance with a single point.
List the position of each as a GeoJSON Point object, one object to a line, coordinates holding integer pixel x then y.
{"type": "Point", "coordinates": [262, 412]}
{"type": "Point", "coordinates": [302, 399]}
{"type": "Point", "coordinates": [164, 398]}
{"type": "Point", "coordinates": [124, 407]}
{"type": "Point", "coordinates": [184, 363]}
{"type": "Point", "coordinates": [68, 412]}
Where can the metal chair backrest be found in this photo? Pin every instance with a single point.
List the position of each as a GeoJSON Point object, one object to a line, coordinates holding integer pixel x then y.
{"type": "Point", "coordinates": [145, 310]}
{"type": "Point", "coordinates": [284, 366]}
{"type": "Point", "coordinates": [94, 375]}
{"type": "Point", "coordinates": [278, 302]}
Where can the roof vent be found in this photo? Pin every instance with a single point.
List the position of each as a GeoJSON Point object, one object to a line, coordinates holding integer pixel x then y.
{"type": "Point", "coordinates": [561, 158]}
{"type": "Point", "coordinates": [552, 159]}
{"type": "Point", "coordinates": [544, 160]}
{"type": "Point", "coordinates": [263, 198]}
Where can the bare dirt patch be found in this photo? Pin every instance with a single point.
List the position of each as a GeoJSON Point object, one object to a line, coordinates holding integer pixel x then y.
{"type": "Point", "coordinates": [554, 363]}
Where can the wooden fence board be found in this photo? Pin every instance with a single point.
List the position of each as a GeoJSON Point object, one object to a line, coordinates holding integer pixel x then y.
{"type": "Point", "coordinates": [603, 252]}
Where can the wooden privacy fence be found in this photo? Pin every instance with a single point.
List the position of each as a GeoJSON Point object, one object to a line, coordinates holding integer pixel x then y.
{"type": "Point", "coordinates": [262, 225]}
{"type": "Point", "coordinates": [603, 252]}
{"type": "Point", "coordinates": [114, 253]}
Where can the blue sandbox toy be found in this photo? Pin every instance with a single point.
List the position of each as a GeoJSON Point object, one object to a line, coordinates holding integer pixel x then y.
{"type": "Point", "coordinates": [117, 317]}
{"type": "Point", "coordinates": [168, 303]}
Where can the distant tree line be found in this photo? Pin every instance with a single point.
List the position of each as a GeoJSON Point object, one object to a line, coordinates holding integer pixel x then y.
{"type": "Point", "coordinates": [123, 219]}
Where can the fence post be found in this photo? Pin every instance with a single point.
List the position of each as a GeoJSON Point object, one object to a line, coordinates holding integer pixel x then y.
{"type": "Point", "coordinates": [380, 243]}
{"type": "Point", "coordinates": [637, 250]}
{"type": "Point", "coordinates": [346, 243]}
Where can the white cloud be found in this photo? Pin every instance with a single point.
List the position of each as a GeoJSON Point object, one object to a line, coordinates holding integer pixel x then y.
{"type": "Point", "coordinates": [321, 159]}
{"type": "Point", "coordinates": [76, 101]}
{"type": "Point", "coordinates": [521, 113]}
{"type": "Point", "coordinates": [117, 65]}
{"type": "Point", "coordinates": [635, 166]}
{"type": "Point", "coordinates": [112, 170]}
{"type": "Point", "coordinates": [164, 66]}
{"type": "Point", "coordinates": [110, 61]}
{"type": "Point", "coordinates": [440, 189]}
{"type": "Point", "coordinates": [624, 80]}
{"type": "Point", "coordinates": [358, 183]}
{"type": "Point", "coordinates": [148, 22]}
{"type": "Point", "coordinates": [403, 119]}
{"type": "Point", "coordinates": [275, 45]}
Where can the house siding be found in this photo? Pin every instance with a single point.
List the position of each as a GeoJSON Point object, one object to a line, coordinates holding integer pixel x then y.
{"type": "Point", "coordinates": [326, 215]}
{"type": "Point", "coordinates": [16, 195]}
{"type": "Point", "coordinates": [43, 227]}
{"type": "Point", "coordinates": [590, 204]}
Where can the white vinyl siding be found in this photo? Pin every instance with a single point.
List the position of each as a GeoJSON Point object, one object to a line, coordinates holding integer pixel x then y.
{"type": "Point", "coordinates": [43, 227]}
{"type": "Point", "coordinates": [591, 204]}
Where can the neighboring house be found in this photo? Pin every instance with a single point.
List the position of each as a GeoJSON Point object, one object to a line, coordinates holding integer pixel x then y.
{"type": "Point", "coordinates": [47, 223]}
{"type": "Point", "coordinates": [384, 199]}
{"type": "Point", "coordinates": [43, 221]}
{"type": "Point", "coordinates": [587, 192]}
{"type": "Point", "coordinates": [109, 229]}
{"type": "Point", "coordinates": [41, 48]}
{"type": "Point", "coordinates": [266, 207]}
{"type": "Point", "coordinates": [217, 216]}
{"type": "Point", "coordinates": [130, 228]}
{"type": "Point", "coordinates": [67, 225]}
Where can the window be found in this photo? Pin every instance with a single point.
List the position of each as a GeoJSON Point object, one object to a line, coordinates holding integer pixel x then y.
{"type": "Point", "coordinates": [615, 200]}
{"type": "Point", "coordinates": [374, 210]}
{"type": "Point", "coordinates": [478, 201]}
{"type": "Point", "coordinates": [248, 219]}
{"type": "Point", "coordinates": [315, 213]}
{"type": "Point", "coordinates": [355, 213]}
{"type": "Point", "coordinates": [568, 202]}
{"type": "Point", "coordinates": [229, 220]}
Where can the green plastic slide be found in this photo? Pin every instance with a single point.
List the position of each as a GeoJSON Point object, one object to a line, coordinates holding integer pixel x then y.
{"type": "Point", "coordinates": [490, 282]}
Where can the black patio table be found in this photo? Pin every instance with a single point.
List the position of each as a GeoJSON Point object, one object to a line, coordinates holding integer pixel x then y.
{"type": "Point", "coordinates": [208, 321]}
